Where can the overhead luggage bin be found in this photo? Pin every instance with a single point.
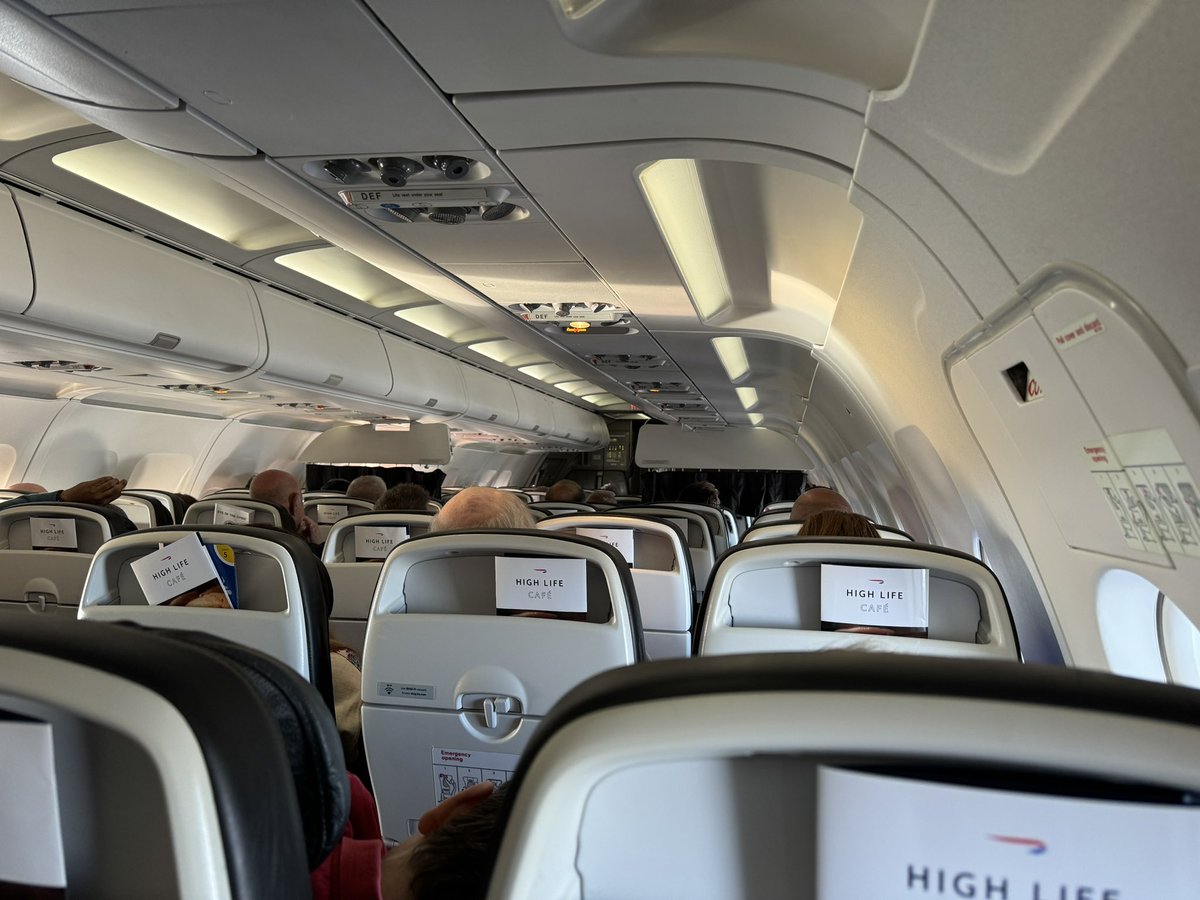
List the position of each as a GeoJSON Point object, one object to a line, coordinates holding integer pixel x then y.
{"type": "Point", "coordinates": [16, 290]}
{"type": "Point", "coordinates": [489, 399]}
{"type": "Point", "coordinates": [425, 380]}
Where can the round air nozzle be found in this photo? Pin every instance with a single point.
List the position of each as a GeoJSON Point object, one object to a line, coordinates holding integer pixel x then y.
{"type": "Point", "coordinates": [453, 167]}
{"type": "Point", "coordinates": [396, 170]}
{"type": "Point", "coordinates": [499, 211]}
{"type": "Point", "coordinates": [448, 215]}
{"type": "Point", "coordinates": [402, 213]}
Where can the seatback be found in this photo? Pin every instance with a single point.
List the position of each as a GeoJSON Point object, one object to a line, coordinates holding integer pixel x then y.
{"type": "Point", "coordinates": [225, 510]}
{"type": "Point", "coordinates": [714, 519]}
{"type": "Point", "coordinates": [282, 605]}
{"type": "Point", "coordinates": [143, 511]}
{"type": "Point", "coordinates": [354, 581]}
{"type": "Point", "coordinates": [699, 538]}
{"type": "Point", "coordinates": [50, 580]}
{"type": "Point", "coordinates": [848, 775]}
{"type": "Point", "coordinates": [792, 529]}
{"type": "Point", "coordinates": [766, 596]}
{"type": "Point", "coordinates": [781, 506]}
{"type": "Point", "coordinates": [528, 498]}
{"type": "Point", "coordinates": [142, 768]}
{"type": "Point", "coordinates": [325, 511]}
{"type": "Point", "coordinates": [171, 502]}
{"type": "Point", "coordinates": [452, 690]}
{"type": "Point", "coordinates": [661, 568]}
{"type": "Point", "coordinates": [772, 518]}
{"type": "Point", "coordinates": [559, 507]}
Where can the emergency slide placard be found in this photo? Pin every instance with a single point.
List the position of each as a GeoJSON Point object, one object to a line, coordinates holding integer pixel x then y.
{"type": "Point", "coordinates": [376, 542]}
{"type": "Point", "coordinates": [180, 568]}
{"type": "Point", "coordinates": [544, 585]}
{"type": "Point", "coordinates": [31, 844]}
{"type": "Point", "coordinates": [870, 595]}
{"type": "Point", "coordinates": [881, 836]}
{"type": "Point", "coordinates": [52, 534]}
{"type": "Point", "coordinates": [225, 514]}
{"type": "Point", "coordinates": [456, 770]}
{"type": "Point", "coordinates": [621, 538]}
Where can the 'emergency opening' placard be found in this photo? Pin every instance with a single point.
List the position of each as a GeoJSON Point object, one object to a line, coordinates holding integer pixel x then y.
{"type": "Point", "coordinates": [542, 585]}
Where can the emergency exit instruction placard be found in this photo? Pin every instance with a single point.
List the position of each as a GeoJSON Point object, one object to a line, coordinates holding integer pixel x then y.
{"type": "Point", "coordinates": [543, 585]}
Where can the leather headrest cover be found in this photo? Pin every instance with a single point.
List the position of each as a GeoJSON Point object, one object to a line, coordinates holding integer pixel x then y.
{"type": "Point", "coordinates": [310, 736]}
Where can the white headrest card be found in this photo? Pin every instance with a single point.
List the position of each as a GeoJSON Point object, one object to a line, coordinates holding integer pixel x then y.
{"type": "Point", "coordinates": [328, 513]}
{"type": "Point", "coordinates": [226, 514]}
{"type": "Point", "coordinates": [31, 843]}
{"type": "Point", "coordinates": [541, 585]}
{"type": "Point", "coordinates": [874, 595]}
{"type": "Point", "coordinates": [376, 541]}
{"type": "Point", "coordinates": [52, 534]}
{"type": "Point", "coordinates": [621, 538]}
{"type": "Point", "coordinates": [180, 569]}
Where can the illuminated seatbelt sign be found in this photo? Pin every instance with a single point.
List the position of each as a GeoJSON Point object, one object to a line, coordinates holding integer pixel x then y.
{"type": "Point", "coordinates": [541, 585]}
{"type": "Point", "coordinates": [874, 598]}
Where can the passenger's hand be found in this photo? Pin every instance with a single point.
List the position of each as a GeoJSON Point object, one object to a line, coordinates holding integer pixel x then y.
{"type": "Point", "coordinates": [309, 530]}
{"type": "Point", "coordinates": [98, 491]}
{"type": "Point", "coordinates": [396, 880]}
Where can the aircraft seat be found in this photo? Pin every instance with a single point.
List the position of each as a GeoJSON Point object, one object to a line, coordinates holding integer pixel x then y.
{"type": "Point", "coordinates": [848, 775]}
{"type": "Point", "coordinates": [51, 579]}
{"type": "Point", "coordinates": [452, 689]}
{"type": "Point", "coordinates": [697, 532]}
{"type": "Point", "coordinates": [144, 511]}
{"type": "Point", "coordinates": [792, 529]}
{"type": "Point", "coordinates": [232, 510]}
{"type": "Point", "coordinates": [780, 506]}
{"type": "Point", "coordinates": [354, 581]}
{"type": "Point", "coordinates": [765, 596]}
{"type": "Point", "coordinates": [172, 502]}
{"type": "Point", "coordinates": [559, 507]}
{"type": "Point", "coordinates": [661, 569]}
{"type": "Point", "coordinates": [325, 511]}
{"type": "Point", "coordinates": [772, 518]}
{"type": "Point", "coordinates": [282, 609]}
{"type": "Point", "coordinates": [148, 769]}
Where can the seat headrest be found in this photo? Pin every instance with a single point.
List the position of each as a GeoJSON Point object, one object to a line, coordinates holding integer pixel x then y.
{"type": "Point", "coordinates": [118, 522]}
{"type": "Point", "coordinates": [310, 736]}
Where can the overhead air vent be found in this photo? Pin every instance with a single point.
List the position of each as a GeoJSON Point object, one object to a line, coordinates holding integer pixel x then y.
{"type": "Point", "coordinates": [398, 170]}
{"type": "Point", "coordinates": [62, 365]}
{"type": "Point", "coordinates": [684, 407]}
{"type": "Point", "coordinates": [568, 313]}
{"type": "Point", "coordinates": [661, 387]}
{"type": "Point", "coordinates": [627, 361]}
{"type": "Point", "coordinates": [211, 390]}
{"type": "Point", "coordinates": [421, 204]}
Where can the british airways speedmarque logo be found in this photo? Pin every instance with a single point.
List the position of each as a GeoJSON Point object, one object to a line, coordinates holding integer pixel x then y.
{"type": "Point", "coordinates": [1036, 847]}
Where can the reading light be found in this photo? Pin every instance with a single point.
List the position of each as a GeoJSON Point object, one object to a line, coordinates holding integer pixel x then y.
{"type": "Point", "coordinates": [676, 199]}
{"type": "Point", "coordinates": [181, 193]}
{"type": "Point", "coordinates": [548, 372]}
{"type": "Point", "coordinates": [748, 396]}
{"type": "Point", "coordinates": [345, 272]}
{"type": "Point", "coordinates": [732, 353]}
{"type": "Point", "coordinates": [444, 322]}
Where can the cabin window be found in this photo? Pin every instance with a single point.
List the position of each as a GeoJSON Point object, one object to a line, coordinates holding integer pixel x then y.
{"type": "Point", "coordinates": [1180, 643]}
{"type": "Point", "coordinates": [1127, 613]}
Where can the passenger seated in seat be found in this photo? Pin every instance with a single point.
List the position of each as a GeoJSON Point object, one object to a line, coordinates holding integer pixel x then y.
{"type": "Point", "coordinates": [367, 487]}
{"type": "Point", "coordinates": [483, 507]}
{"type": "Point", "coordinates": [565, 491]}
{"type": "Point", "coordinates": [704, 493]}
{"type": "Point", "coordinates": [277, 486]}
{"type": "Point", "coordinates": [402, 497]}
{"type": "Point", "coordinates": [602, 497]}
{"type": "Point", "coordinates": [816, 500]}
{"type": "Point", "coordinates": [835, 523]}
{"type": "Point", "coordinates": [98, 492]}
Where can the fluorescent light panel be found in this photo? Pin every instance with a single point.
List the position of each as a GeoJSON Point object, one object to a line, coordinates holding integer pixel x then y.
{"type": "Point", "coordinates": [24, 114]}
{"type": "Point", "coordinates": [579, 388]}
{"type": "Point", "coordinates": [547, 372]}
{"type": "Point", "coordinates": [676, 199]}
{"type": "Point", "coordinates": [757, 418]}
{"type": "Point", "coordinates": [444, 322]}
{"type": "Point", "coordinates": [345, 272]}
{"type": "Point", "coordinates": [748, 396]}
{"type": "Point", "coordinates": [183, 194]}
{"type": "Point", "coordinates": [505, 352]}
{"type": "Point", "coordinates": [732, 353]}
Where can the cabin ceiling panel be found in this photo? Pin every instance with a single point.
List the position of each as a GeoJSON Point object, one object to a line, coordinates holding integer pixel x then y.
{"type": "Point", "coordinates": [830, 49]}
{"type": "Point", "coordinates": [1083, 155]}
{"type": "Point", "coordinates": [657, 112]}
{"type": "Point", "coordinates": [251, 66]}
{"type": "Point", "coordinates": [491, 242]}
{"type": "Point", "coordinates": [507, 283]}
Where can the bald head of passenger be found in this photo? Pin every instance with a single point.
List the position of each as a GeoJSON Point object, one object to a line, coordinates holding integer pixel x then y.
{"type": "Point", "coordinates": [481, 507]}
{"type": "Point", "coordinates": [278, 486]}
{"type": "Point", "coordinates": [28, 487]}
{"type": "Point", "coordinates": [818, 500]}
{"type": "Point", "coordinates": [367, 487]}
